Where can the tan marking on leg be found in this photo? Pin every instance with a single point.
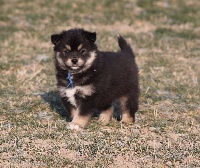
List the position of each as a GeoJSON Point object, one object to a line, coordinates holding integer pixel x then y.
{"type": "Point", "coordinates": [126, 117]}
{"type": "Point", "coordinates": [79, 122]}
{"type": "Point", "coordinates": [73, 112]}
{"type": "Point", "coordinates": [106, 116]}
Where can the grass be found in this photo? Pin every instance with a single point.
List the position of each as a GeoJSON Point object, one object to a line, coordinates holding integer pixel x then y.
{"type": "Point", "coordinates": [165, 37]}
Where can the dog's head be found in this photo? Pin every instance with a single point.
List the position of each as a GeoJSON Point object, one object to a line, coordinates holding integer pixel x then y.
{"type": "Point", "coordinates": [75, 49]}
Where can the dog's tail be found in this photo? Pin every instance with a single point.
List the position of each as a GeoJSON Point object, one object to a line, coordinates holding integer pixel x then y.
{"type": "Point", "coordinates": [124, 45]}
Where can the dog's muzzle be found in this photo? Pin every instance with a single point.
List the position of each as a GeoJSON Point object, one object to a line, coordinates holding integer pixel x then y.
{"type": "Point", "coordinates": [74, 61]}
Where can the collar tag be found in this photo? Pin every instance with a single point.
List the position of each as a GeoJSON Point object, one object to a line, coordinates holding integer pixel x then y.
{"type": "Point", "coordinates": [70, 80]}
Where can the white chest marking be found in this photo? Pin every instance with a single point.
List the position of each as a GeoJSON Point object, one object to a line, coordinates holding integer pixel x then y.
{"type": "Point", "coordinates": [83, 91]}
{"type": "Point", "coordinates": [70, 92]}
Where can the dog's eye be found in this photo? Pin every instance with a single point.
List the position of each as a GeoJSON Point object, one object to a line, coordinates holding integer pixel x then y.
{"type": "Point", "coordinates": [82, 50]}
{"type": "Point", "coordinates": [66, 51]}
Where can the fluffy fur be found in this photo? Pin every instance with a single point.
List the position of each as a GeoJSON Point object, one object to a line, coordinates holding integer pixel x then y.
{"type": "Point", "coordinates": [99, 78]}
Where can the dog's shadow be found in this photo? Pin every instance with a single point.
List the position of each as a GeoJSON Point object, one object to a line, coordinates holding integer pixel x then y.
{"type": "Point", "coordinates": [54, 100]}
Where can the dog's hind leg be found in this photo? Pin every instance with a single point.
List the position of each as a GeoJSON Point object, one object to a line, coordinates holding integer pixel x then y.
{"type": "Point", "coordinates": [106, 115]}
{"type": "Point", "coordinates": [129, 106]}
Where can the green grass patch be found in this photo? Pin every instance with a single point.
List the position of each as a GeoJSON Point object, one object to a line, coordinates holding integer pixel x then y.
{"type": "Point", "coordinates": [187, 34]}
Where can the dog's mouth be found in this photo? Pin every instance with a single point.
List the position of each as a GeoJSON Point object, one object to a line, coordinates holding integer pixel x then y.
{"type": "Point", "coordinates": [75, 67]}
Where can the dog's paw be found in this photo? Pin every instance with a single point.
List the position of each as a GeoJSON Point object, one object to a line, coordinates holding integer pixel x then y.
{"type": "Point", "coordinates": [104, 120]}
{"type": "Point", "coordinates": [73, 126]}
{"type": "Point", "coordinates": [127, 121]}
{"type": "Point", "coordinates": [127, 118]}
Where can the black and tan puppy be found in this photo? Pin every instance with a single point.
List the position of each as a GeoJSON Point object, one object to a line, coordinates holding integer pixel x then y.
{"type": "Point", "coordinates": [90, 80]}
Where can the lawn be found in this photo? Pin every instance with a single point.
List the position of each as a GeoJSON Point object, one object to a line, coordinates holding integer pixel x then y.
{"type": "Point", "coordinates": [165, 35]}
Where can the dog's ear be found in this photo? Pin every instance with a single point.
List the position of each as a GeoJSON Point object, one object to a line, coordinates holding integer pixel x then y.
{"type": "Point", "coordinates": [55, 38]}
{"type": "Point", "coordinates": [90, 35]}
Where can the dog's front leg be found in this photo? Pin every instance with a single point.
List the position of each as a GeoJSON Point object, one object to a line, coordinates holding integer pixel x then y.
{"type": "Point", "coordinates": [79, 121]}
{"type": "Point", "coordinates": [68, 106]}
{"type": "Point", "coordinates": [81, 118]}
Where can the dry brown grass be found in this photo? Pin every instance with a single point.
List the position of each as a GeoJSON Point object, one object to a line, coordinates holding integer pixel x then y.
{"type": "Point", "coordinates": [165, 36]}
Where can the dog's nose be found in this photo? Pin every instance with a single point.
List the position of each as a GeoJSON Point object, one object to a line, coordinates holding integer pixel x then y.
{"type": "Point", "coordinates": [74, 61]}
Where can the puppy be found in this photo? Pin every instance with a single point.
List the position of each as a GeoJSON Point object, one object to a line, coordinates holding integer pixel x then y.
{"type": "Point", "coordinates": [90, 80]}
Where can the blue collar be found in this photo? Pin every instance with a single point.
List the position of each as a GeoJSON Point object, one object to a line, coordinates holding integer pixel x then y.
{"type": "Point", "coordinates": [70, 80]}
